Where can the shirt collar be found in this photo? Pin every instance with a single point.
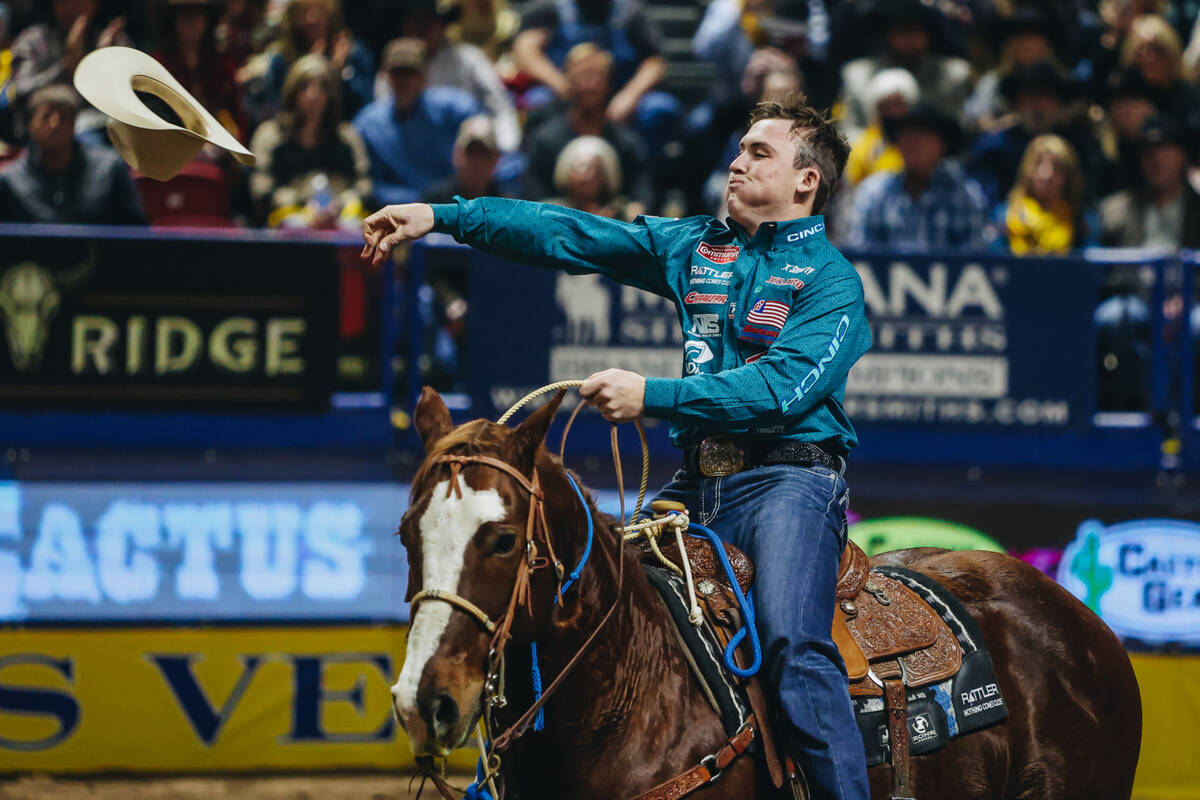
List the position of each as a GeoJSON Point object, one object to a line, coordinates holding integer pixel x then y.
{"type": "Point", "coordinates": [788, 232]}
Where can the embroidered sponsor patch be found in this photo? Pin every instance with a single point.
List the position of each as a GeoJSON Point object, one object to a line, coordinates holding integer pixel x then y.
{"type": "Point", "coordinates": [795, 283]}
{"type": "Point", "coordinates": [718, 253]}
{"type": "Point", "coordinates": [698, 298]}
{"type": "Point", "coordinates": [795, 270]}
{"type": "Point", "coordinates": [771, 313]}
{"type": "Point", "coordinates": [752, 333]}
{"type": "Point", "coordinates": [706, 325]}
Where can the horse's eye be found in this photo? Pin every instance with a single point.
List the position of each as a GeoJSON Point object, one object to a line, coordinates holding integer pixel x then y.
{"type": "Point", "coordinates": [505, 543]}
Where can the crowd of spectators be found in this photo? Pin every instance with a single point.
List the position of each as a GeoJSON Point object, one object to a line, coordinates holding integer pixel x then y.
{"type": "Point", "coordinates": [1022, 126]}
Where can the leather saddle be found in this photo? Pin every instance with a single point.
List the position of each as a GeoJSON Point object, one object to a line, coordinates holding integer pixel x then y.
{"type": "Point", "coordinates": [884, 630]}
{"type": "Point", "coordinates": [890, 639]}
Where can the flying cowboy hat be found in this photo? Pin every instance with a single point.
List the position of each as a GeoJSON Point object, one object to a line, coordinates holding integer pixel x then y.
{"type": "Point", "coordinates": [109, 79]}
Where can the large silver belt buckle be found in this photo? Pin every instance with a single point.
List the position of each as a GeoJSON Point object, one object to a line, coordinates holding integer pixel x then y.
{"type": "Point", "coordinates": [720, 456]}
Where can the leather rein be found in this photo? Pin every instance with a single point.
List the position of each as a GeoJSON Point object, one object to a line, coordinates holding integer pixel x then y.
{"type": "Point", "coordinates": [535, 530]}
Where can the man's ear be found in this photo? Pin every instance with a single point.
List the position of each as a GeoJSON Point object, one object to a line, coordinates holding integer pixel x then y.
{"type": "Point", "coordinates": [807, 181]}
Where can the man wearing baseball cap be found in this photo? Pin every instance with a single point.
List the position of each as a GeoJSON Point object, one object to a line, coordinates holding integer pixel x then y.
{"type": "Point", "coordinates": [409, 135]}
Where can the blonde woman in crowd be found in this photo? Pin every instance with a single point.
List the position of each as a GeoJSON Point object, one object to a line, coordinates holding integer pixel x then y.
{"type": "Point", "coordinates": [587, 177]}
{"type": "Point", "coordinates": [1154, 50]}
{"type": "Point", "coordinates": [1044, 212]}
{"type": "Point", "coordinates": [312, 169]}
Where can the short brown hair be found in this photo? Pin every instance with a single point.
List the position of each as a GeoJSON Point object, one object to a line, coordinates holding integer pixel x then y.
{"type": "Point", "coordinates": [819, 143]}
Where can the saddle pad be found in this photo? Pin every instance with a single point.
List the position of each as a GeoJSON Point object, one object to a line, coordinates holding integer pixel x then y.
{"type": "Point", "coordinates": [968, 701]}
{"type": "Point", "coordinates": [706, 654]}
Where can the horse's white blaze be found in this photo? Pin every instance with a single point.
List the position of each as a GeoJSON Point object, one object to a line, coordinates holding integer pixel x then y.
{"type": "Point", "coordinates": [446, 527]}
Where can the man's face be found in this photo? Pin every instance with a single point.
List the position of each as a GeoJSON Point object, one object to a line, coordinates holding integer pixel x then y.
{"type": "Point", "coordinates": [407, 84]}
{"type": "Point", "coordinates": [1028, 48]}
{"type": "Point", "coordinates": [921, 149]}
{"type": "Point", "coordinates": [588, 81]}
{"type": "Point", "coordinates": [52, 128]}
{"type": "Point", "coordinates": [1128, 115]}
{"type": "Point", "coordinates": [907, 43]}
{"type": "Point", "coordinates": [1163, 166]}
{"type": "Point", "coordinates": [475, 165]}
{"type": "Point", "coordinates": [764, 173]}
{"type": "Point", "coordinates": [1039, 111]}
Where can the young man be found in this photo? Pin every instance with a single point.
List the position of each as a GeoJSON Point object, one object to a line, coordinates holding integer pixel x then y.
{"type": "Point", "coordinates": [774, 319]}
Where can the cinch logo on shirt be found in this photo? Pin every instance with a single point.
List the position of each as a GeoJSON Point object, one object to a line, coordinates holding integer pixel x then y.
{"type": "Point", "coordinates": [696, 298]}
{"type": "Point", "coordinates": [810, 380]}
{"type": "Point", "coordinates": [720, 253]}
{"type": "Point", "coordinates": [820, 226]}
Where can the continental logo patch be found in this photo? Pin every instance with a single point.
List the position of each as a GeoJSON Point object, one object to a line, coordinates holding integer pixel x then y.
{"type": "Point", "coordinates": [697, 298]}
{"type": "Point", "coordinates": [719, 253]}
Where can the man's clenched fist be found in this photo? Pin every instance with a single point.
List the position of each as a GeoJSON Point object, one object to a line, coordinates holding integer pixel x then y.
{"type": "Point", "coordinates": [618, 394]}
{"type": "Point", "coordinates": [391, 225]}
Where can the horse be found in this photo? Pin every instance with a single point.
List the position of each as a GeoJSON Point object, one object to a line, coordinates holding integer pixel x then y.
{"type": "Point", "coordinates": [488, 501]}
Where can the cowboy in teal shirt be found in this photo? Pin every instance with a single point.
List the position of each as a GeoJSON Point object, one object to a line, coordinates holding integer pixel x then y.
{"type": "Point", "coordinates": [773, 320]}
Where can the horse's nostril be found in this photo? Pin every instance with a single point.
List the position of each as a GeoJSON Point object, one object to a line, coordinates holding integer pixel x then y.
{"type": "Point", "coordinates": [445, 713]}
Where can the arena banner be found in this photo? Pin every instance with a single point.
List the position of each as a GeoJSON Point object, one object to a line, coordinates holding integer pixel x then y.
{"type": "Point", "coordinates": [1141, 577]}
{"type": "Point", "coordinates": [895, 533]}
{"type": "Point", "coordinates": [974, 342]}
{"type": "Point", "coordinates": [157, 323]}
{"type": "Point", "coordinates": [1167, 765]}
{"type": "Point", "coordinates": [114, 552]}
{"type": "Point", "coordinates": [201, 699]}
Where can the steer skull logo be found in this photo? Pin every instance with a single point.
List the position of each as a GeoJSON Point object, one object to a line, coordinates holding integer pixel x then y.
{"type": "Point", "coordinates": [29, 301]}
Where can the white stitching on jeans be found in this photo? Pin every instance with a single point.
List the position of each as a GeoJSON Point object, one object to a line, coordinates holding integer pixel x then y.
{"type": "Point", "coordinates": [717, 507]}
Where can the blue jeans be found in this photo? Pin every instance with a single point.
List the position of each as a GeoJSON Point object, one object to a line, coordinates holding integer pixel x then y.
{"type": "Point", "coordinates": [791, 521]}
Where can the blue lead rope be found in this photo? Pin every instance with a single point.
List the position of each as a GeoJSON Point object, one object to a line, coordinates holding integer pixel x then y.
{"type": "Point", "coordinates": [539, 722]}
{"type": "Point", "coordinates": [745, 603]}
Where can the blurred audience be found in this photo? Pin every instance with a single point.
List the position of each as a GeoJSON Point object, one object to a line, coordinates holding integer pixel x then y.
{"type": "Point", "coordinates": [931, 203]}
{"type": "Point", "coordinates": [47, 53]}
{"type": "Point", "coordinates": [909, 30]}
{"type": "Point", "coordinates": [587, 177]}
{"type": "Point", "coordinates": [58, 179]}
{"type": "Point", "coordinates": [490, 25]}
{"type": "Point", "coordinates": [1028, 36]}
{"type": "Point", "coordinates": [312, 169]}
{"type": "Point", "coordinates": [189, 52]}
{"type": "Point", "coordinates": [1163, 212]}
{"type": "Point", "coordinates": [410, 134]}
{"type": "Point", "coordinates": [893, 92]}
{"type": "Point", "coordinates": [1044, 213]}
{"type": "Point", "coordinates": [316, 26]}
{"type": "Point", "coordinates": [462, 65]}
{"type": "Point", "coordinates": [588, 69]}
{"type": "Point", "coordinates": [476, 154]}
{"type": "Point", "coordinates": [1153, 49]}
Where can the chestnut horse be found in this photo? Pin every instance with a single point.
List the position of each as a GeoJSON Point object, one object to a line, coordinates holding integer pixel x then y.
{"type": "Point", "coordinates": [628, 714]}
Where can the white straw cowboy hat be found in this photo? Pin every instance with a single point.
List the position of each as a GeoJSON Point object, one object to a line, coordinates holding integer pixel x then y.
{"type": "Point", "coordinates": [108, 79]}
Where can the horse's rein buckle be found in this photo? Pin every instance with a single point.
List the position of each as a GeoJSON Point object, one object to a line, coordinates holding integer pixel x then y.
{"type": "Point", "coordinates": [719, 456]}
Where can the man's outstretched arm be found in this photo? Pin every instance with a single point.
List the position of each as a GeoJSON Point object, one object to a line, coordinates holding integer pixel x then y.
{"type": "Point", "coordinates": [537, 234]}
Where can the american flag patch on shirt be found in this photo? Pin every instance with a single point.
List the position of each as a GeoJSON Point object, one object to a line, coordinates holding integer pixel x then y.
{"type": "Point", "coordinates": [768, 312]}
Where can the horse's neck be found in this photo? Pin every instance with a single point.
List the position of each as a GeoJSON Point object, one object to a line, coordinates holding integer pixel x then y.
{"type": "Point", "coordinates": [629, 693]}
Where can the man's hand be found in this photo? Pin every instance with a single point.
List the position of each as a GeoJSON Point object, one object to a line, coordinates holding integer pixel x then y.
{"type": "Point", "coordinates": [618, 394]}
{"type": "Point", "coordinates": [391, 225]}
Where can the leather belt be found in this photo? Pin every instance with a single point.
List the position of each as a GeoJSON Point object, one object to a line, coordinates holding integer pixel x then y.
{"type": "Point", "coordinates": [717, 456]}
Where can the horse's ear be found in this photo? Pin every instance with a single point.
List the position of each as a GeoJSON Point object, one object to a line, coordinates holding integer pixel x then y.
{"type": "Point", "coordinates": [524, 442]}
{"type": "Point", "coordinates": [431, 417]}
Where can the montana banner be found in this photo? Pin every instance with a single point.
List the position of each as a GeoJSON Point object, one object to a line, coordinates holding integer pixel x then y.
{"type": "Point", "coordinates": [972, 343]}
{"type": "Point", "coordinates": [153, 322]}
{"type": "Point", "coordinates": [199, 700]}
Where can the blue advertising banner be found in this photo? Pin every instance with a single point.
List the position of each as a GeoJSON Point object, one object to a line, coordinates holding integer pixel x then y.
{"type": "Point", "coordinates": [960, 342]}
{"type": "Point", "coordinates": [206, 552]}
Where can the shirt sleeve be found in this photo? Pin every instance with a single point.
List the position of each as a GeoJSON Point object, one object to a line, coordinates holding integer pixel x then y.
{"type": "Point", "coordinates": [822, 338]}
{"type": "Point", "coordinates": [539, 15]}
{"type": "Point", "coordinates": [643, 35]}
{"type": "Point", "coordinates": [544, 235]}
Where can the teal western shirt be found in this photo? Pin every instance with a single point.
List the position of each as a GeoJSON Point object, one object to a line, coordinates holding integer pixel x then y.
{"type": "Point", "coordinates": [772, 322]}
